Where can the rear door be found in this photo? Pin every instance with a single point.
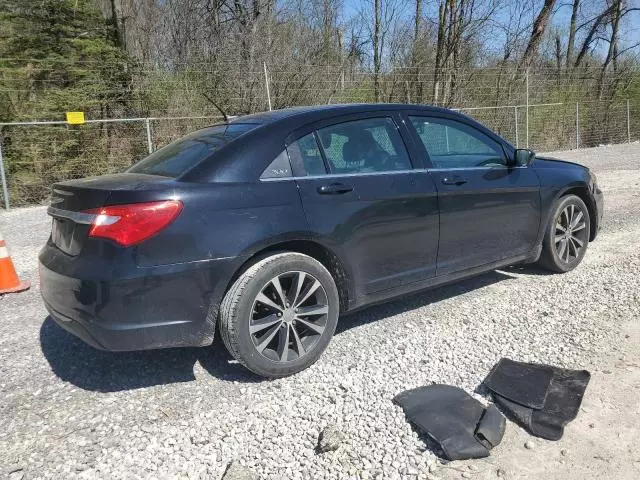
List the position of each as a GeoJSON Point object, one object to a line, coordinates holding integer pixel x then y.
{"type": "Point", "coordinates": [489, 210]}
{"type": "Point", "coordinates": [363, 197]}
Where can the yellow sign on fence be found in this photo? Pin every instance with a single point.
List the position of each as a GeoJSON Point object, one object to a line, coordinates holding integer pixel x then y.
{"type": "Point", "coordinates": [75, 118]}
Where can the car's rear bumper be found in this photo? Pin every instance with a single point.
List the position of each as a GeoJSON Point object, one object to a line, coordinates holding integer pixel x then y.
{"type": "Point", "coordinates": [162, 308]}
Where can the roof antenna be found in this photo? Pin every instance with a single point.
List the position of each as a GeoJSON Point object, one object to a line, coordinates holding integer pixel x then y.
{"type": "Point", "coordinates": [224, 115]}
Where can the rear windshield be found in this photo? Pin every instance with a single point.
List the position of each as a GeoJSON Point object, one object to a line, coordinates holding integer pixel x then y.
{"type": "Point", "coordinates": [179, 156]}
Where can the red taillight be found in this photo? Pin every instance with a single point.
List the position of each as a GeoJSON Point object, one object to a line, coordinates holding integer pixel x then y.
{"type": "Point", "coordinates": [133, 223]}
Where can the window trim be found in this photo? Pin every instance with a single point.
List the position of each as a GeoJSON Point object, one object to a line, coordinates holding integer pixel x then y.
{"type": "Point", "coordinates": [297, 165]}
{"type": "Point", "coordinates": [375, 116]}
{"type": "Point", "coordinates": [203, 160]}
{"type": "Point", "coordinates": [428, 164]}
{"type": "Point", "coordinates": [323, 154]}
{"type": "Point", "coordinates": [424, 170]}
{"type": "Point", "coordinates": [341, 175]}
{"type": "Point", "coordinates": [396, 115]}
{"type": "Point", "coordinates": [443, 121]}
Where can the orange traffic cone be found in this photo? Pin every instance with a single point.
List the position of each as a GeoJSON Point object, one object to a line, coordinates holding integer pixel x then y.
{"type": "Point", "coordinates": [9, 281]}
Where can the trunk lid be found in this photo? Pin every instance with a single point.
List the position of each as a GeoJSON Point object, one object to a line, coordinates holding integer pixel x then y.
{"type": "Point", "coordinates": [70, 227]}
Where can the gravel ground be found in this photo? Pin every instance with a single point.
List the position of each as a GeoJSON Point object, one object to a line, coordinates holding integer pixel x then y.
{"type": "Point", "coordinates": [70, 411]}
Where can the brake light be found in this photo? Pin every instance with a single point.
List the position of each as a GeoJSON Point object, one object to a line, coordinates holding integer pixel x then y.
{"type": "Point", "coordinates": [131, 224]}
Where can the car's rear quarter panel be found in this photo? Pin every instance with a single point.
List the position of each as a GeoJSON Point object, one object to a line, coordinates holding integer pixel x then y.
{"type": "Point", "coordinates": [180, 273]}
{"type": "Point", "coordinates": [224, 221]}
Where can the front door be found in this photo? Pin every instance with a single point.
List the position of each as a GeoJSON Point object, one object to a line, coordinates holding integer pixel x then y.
{"type": "Point", "coordinates": [489, 210]}
{"type": "Point", "coordinates": [363, 198]}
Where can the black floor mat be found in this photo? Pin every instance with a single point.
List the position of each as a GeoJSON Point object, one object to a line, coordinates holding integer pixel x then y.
{"type": "Point", "coordinates": [540, 398]}
{"type": "Point", "coordinates": [457, 423]}
{"type": "Point", "coordinates": [523, 383]}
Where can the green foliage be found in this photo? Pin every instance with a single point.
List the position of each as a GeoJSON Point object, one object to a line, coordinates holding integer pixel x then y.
{"type": "Point", "coordinates": [57, 56]}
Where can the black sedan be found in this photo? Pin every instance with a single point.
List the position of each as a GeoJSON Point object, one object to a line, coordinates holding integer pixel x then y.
{"type": "Point", "coordinates": [273, 225]}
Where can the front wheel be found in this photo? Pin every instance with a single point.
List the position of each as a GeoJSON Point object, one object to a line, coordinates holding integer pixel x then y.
{"type": "Point", "coordinates": [567, 236]}
{"type": "Point", "coordinates": [280, 314]}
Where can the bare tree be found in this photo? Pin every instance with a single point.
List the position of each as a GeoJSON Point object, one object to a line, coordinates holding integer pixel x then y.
{"type": "Point", "coordinates": [596, 25]}
{"type": "Point", "coordinates": [458, 23]}
{"type": "Point", "coordinates": [416, 54]}
{"type": "Point", "coordinates": [329, 30]}
{"type": "Point", "coordinates": [325, 50]}
{"type": "Point", "coordinates": [612, 52]}
{"type": "Point", "coordinates": [558, 53]}
{"type": "Point", "coordinates": [572, 32]}
{"type": "Point", "coordinates": [539, 27]}
{"type": "Point", "coordinates": [514, 27]}
{"type": "Point", "coordinates": [380, 18]}
{"type": "Point", "coordinates": [618, 10]}
{"type": "Point", "coordinates": [377, 54]}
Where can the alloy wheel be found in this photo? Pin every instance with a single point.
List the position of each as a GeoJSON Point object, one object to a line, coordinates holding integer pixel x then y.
{"type": "Point", "coordinates": [289, 316]}
{"type": "Point", "coordinates": [570, 233]}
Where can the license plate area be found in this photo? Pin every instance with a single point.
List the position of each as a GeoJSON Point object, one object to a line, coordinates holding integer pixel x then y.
{"type": "Point", "coordinates": [64, 236]}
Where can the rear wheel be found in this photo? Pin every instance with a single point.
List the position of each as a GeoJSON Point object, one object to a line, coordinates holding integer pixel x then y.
{"type": "Point", "coordinates": [567, 236]}
{"type": "Point", "coordinates": [280, 314]}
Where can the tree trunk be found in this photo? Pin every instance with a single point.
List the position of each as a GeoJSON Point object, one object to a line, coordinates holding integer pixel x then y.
{"type": "Point", "coordinates": [586, 44]}
{"type": "Point", "coordinates": [376, 51]}
{"type": "Point", "coordinates": [437, 70]}
{"type": "Point", "coordinates": [415, 69]}
{"type": "Point", "coordinates": [327, 31]}
{"type": "Point", "coordinates": [613, 45]}
{"type": "Point", "coordinates": [539, 27]}
{"type": "Point", "coordinates": [456, 28]}
{"type": "Point", "coordinates": [118, 37]}
{"type": "Point", "coordinates": [572, 33]}
{"type": "Point", "coordinates": [558, 54]}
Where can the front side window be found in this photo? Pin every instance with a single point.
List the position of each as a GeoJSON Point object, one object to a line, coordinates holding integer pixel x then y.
{"type": "Point", "coordinates": [452, 144]}
{"type": "Point", "coordinates": [183, 154]}
{"type": "Point", "coordinates": [363, 146]}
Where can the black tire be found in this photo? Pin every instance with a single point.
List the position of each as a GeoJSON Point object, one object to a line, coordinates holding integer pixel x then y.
{"type": "Point", "coordinates": [241, 310]}
{"type": "Point", "coordinates": [565, 212]}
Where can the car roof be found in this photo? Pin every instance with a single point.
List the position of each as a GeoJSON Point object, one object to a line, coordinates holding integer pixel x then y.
{"type": "Point", "coordinates": [320, 112]}
{"type": "Point", "coordinates": [245, 158]}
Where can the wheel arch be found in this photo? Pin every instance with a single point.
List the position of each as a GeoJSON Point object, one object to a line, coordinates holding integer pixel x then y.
{"type": "Point", "coordinates": [582, 192]}
{"type": "Point", "coordinates": [315, 250]}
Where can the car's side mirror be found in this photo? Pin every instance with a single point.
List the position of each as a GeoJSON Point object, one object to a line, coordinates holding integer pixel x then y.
{"type": "Point", "coordinates": [523, 157]}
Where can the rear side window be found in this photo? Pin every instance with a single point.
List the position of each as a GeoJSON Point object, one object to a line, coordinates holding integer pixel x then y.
{"type": "Point", "coordinates": [305, 152]}
{"type": "Point", "coordinates": [179, 156]}
{"type": "Point", "coordinates": [278, 168]}
{"type": "Point", "coordinates": [362, 146]}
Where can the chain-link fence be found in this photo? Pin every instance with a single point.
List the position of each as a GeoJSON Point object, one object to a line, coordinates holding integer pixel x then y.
{"type": "Point", "coordinates": [37, 154]}
{"type": "Point", "coordinates": [34, 155]}
{"type": "Point", "coordinates": [537, 110]}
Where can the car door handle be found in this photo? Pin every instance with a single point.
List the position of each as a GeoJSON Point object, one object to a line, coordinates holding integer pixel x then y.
{"type": "Point", "coordinates": [334, 189]}
{"type": "Point", "coordinates": [453, 180]}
